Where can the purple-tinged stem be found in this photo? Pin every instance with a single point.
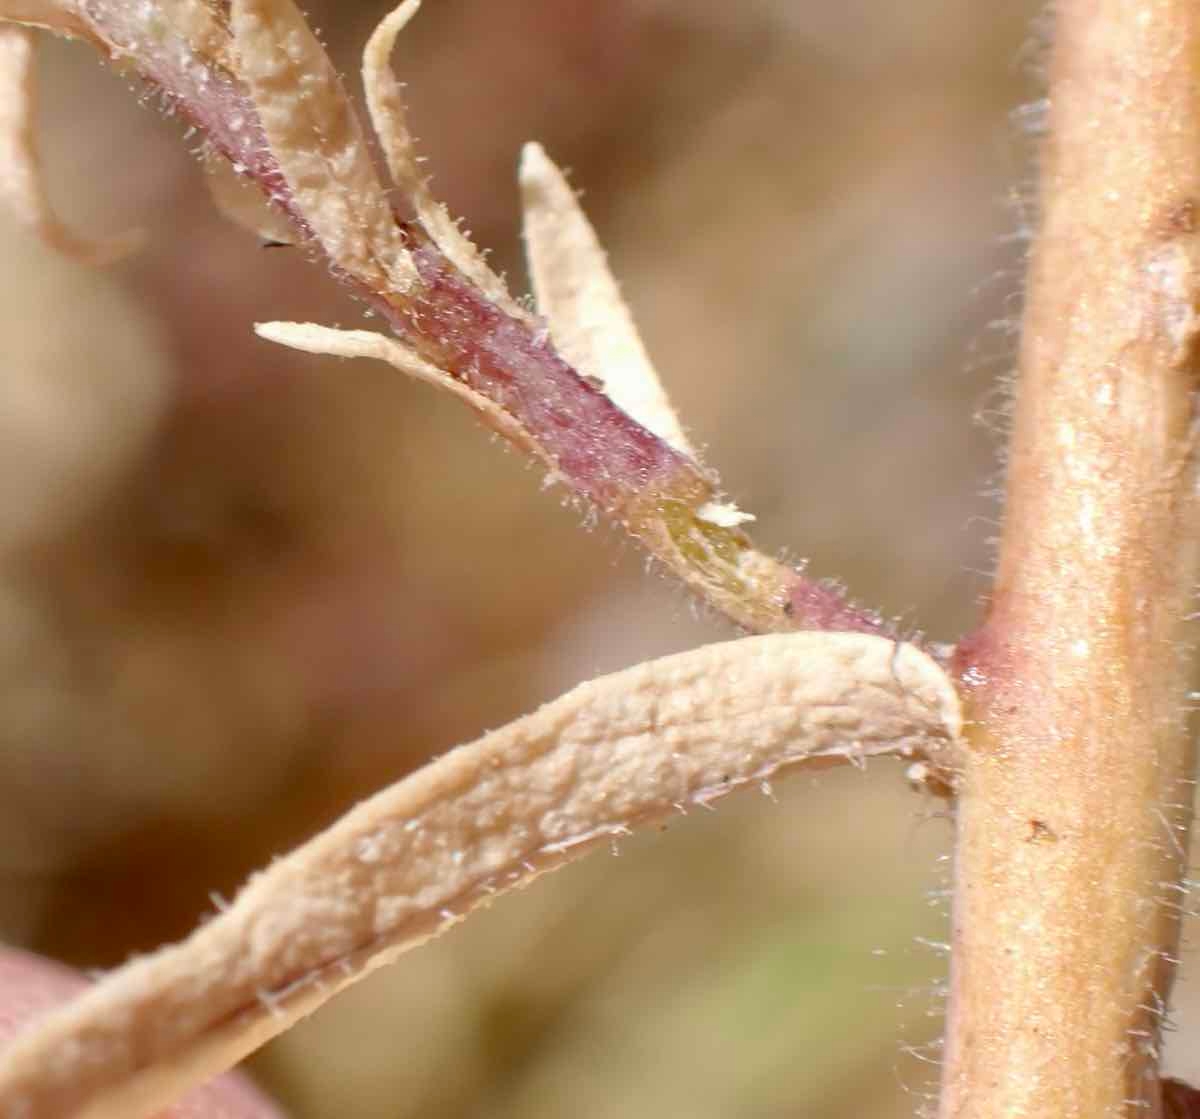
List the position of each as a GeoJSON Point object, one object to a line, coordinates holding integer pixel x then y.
{"type": "Point", "coordinates": [594, 448]}
{"type": "Point", "coordinates": [606, 456]}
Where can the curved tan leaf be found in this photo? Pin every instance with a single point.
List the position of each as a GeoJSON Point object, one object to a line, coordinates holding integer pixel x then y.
{"type": "Point", "coordinates": [318, 143]}
{"type": "Point", "coordinates": [22, 189]}
{"type": "Point", "coordinates": [386, 106]}
{"type": "Point", "coordinates": [416, 858]}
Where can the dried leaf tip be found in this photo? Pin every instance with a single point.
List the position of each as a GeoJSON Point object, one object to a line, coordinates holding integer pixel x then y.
{"type": "Point", "coordinates": [385, 104]}
{"type": "Point", "coordinates": [318, 143]}
{"type": "Point", "coordinates": [22, 185]}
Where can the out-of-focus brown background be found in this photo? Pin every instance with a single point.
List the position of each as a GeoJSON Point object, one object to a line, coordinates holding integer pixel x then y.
{"type": "Point", "coordinates": [240, 588]}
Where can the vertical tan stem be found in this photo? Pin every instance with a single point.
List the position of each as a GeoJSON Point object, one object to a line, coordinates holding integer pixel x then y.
{"type": "Point", "coordinates": [1073, 825]}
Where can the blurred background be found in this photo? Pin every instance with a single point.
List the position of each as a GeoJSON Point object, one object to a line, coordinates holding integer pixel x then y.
{"type": "Point", "coordinates": [240, 588]}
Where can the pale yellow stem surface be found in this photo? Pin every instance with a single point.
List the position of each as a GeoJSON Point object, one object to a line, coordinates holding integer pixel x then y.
{"type": "Point", "coordinates": [1075, 809]}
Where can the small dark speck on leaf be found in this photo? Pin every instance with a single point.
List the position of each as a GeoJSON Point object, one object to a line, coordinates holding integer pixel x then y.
{"type": "Point", "coordinates": [1040, 832]}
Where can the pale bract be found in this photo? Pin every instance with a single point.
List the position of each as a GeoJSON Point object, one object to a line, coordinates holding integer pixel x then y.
{"type": "Point", "coordinates": [589, 321]}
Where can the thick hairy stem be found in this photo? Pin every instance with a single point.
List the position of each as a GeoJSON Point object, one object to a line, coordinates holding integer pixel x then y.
{"type": "Point", "coordinates": [1075, 809]}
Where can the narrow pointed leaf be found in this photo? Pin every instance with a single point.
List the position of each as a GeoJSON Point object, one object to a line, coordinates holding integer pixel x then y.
{"type": "Point", "coordinates": [576, 292]}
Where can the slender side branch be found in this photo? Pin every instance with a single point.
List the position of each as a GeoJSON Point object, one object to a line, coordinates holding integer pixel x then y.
{"type": "Point", "coordinates": [1075, 810]}
{"type": "Point", "coordinates": [416, 858]}
{"type": "Point", "coordinates": [256, 84]}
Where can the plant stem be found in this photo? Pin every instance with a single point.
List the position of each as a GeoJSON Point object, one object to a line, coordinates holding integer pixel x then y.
{"type": "Point", "coordinates": [598, 452]}
{"type": "Point", "coordinates": [1075, 807]}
